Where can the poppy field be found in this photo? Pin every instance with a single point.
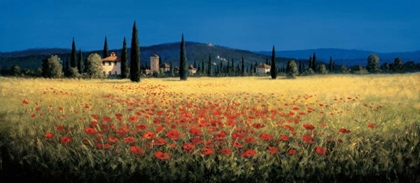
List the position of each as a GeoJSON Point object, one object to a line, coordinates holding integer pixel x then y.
{"type": "Point", "coordinates": [254, 129]}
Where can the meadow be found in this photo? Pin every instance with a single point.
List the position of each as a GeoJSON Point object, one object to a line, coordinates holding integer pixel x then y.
{"type": "Point", "coordinates": [332, 128]}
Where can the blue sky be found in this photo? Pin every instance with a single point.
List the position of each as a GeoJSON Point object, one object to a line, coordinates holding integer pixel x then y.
{"type": "Point", "coordinates": [374, 25]}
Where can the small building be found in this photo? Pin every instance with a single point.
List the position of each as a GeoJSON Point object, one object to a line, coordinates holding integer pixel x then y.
{"type": "Point", "coordinates": [111, 65]}
{"type": "Point", "coordinates": [191, 70]}
{"type": "Point", "coordinates": [165, 67]}
{"type": "Point", "coordinates": [154, 63]}
{"type": "Point", "coordinates": [263, 68]}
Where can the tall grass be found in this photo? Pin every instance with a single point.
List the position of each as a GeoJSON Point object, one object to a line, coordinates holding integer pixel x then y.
{"type": "Point", "coordinates": [320, 128]}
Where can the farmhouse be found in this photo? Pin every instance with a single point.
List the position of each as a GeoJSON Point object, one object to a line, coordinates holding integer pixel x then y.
{"type": "Point", "coordinates": [263, 68]}
{"type": "Point", "coordinates": [111, 65]}
{"type": "Point", "coordinates": [165, 67]}
{"type": "Point", "coordinates": [191, 70]}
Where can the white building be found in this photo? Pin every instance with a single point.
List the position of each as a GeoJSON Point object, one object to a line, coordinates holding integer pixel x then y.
{"type": "Point", "coordinates": [111, 65]}
{"type": "Point", "coordinates": [263, 68]}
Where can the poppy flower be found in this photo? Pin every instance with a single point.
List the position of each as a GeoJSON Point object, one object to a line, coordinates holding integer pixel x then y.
{"type": "Point", "coordinates": [292, 151]}
{"type": "Point", "coordinates": [112, 139]}
{"type": "Point", "coordinates": [159, 142]}
{"type": "Point", "coordinates": [196, 141]}
{"type": "Point", "coordinates": [321, 150]}
{"type": "Point", "coordinates": [284, 137]}
{"type": "Point", "coordinates": [308, 126]}
{"type": "Point", "coordinates": [96, 117]}
{"type": "Point", "coordinates": [207, 151]}
{"type": "Point", "coordinates": [220, 136]}
{"type": "Point", "coordinates": [226, 151]}
{"type": "Point", "coordinates": [129, 140]}
{"type": "Point", "coordinates": [289, 128]}
{"type": "Point", "coordinates": [161, 155]}
{"type": "Point", "coordinates": [136, 150]}
{"type": "Point", "coordinates": [342, 130]}
{"type": "Point", "coordinates": [60, 127]}
{"type": "Point", "coordinates": [196, 132]}
{"type": "Point", "coordinates": [90, 131]}
{"type": "Point", "coordinates": [266, 137]}
{"type": "Point", "coordinates": [188, 147]}
{"type": "Point", "coordinates": [173, 134]}
{"type": "Point", "coordinates": [172, 146]}
{"type": "Point", "coordinates": [248, 153]}
{"type": "Point", "coordinates": [371, 126]}
{"type": "Point", "coordinates": [65, 140]}
{"type": "Point", "coordinates": [308, 138]}
{"type": "Point", "coordinates": [149, 135]}
{"type": "Point", "coordinates": [272, 149]}
{"type": "Point", "coordinates": [106, 119]}
{"type": "Point", "coordinates": [49, 135]}
{"type": "Point", "coordinates": [258, 125]}
{"type": "Point", "coordinates": [119, 116]}
{"type": "Point", "coordinates": [132, 119]}
{"type": "Point", "coordinates": [25, 102]}
{"type": "Point", "coordinates": [33, 115]}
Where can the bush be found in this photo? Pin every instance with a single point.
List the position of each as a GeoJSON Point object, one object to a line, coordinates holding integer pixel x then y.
{"type": "Point", "coordinates": [51, 67]}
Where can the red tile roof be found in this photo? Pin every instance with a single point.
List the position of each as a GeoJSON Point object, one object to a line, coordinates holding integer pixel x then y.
{"type": "Point", "coordinates": [112, 58]}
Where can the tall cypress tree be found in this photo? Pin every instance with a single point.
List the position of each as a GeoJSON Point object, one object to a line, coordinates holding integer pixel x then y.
{"type": "Point", "coordinates": [273, 69]}
{"type": "Point", "coordinates": [209, 70]}
{"type": "Point", "coordinates": [243, 66]}
{"type": "Point", "coordinates": [124, 61]}
{"type": "Point", "coordinates": [314, 62]}
{"type": "Point", "coordinates": [221, 67]}
{"type": "Point", "coordinates": [203, 68]}
{"type": "Point", "coordinates": [310, 62]}
{"type": "Point", "coordinates": [300, 67]}
{"type": "Point", "coordinates": [330, 65]}
{"type": "Point", "coordinates": [183, 65]}
{"type": "Point", "coordinates": [73, 58]}
{"type": "Point", "coordinates": [232, 69]}
{"type": "Point", "coordinates": [135, 56]}
{"type": "Point", "coordinates": [79, 62]}
{"type": "Point", "coordinates": [105, 52]}
{"type": "Point", "coordinates": [171, 69]}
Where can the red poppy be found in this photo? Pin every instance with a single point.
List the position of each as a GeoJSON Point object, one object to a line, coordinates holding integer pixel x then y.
{"type": "Point", "coordinates": [196, 132]}
{"type": "Point", "coordinates": [342, 130]}
{"type": "Point", "coordinates": [129, 140]}
{"type": "Point", "coordinates": [136, 150]}
{"type": "Point", "coordinates": [90, 131]}
{"type": "Point", "coordinates": [160, 128]}
{"type": "Point", "coordinates": [159, 142]}
{"type": "Point", "coordinates": [272, 149]}
{"type": "Point", "coordinates": [289, 128]}
{"type": "Point", "coordinates": [188, 147]}
{"type": "Point", "coordinates": [248, 153]}
{"type": "Point", "coordinates": [96, 117]}
{"type": "Point", "coordinates": [149, 135]}
{"type": "Point", "coordinates": [60, 127]}
{"type": "Point", "coordinates": [112, 139]}
{"type": "Point", "coordinates": [132, 119]}
{"type": "Point", "coordinates": [49, 135]}
{"type": "Point", "coordinates": [33, 115]}
{"type": "Point", "coordinates": [141, 127]}
{"type": "Point", "coordinates": [107, 146]}
{"type": "Point", "coordinates": [220, 136]}
{"type": "Point", "coordinates": [207, 151]}
{"type": "Point", "coordinates": [119, 116]}
{"type": "Point", "coordinates": [237, 145]}
{"type": "Point", "coordinates": [308, 138]}
{"type": "Point", "coordinates": [106, 119]}
{"type": "Point", "coordinates": [65, 140]}
{"type": "Point", "coordinates": [173, 134]}
{"type": "Point", "coordinates": [295, 108]}
{"type": "Point", "coordinates": [25, 102]}
{"type": "Point", "coordinates": [284, 137]}
{"type": "Point", "coordinates": [292, 151]}
{"type": "Point", "coordinates": [172, 146]}
{"type": "Point", "coordinates": [258, 125]}
{"type": "Point", "coordinates": [321, 150]}
{"type": "Point", "coordinates": [162, 156]}
{"type": "Point", "coordinates": [308, 126]}
{"type": "Point", "coordinates": [196, 141]}
{"type": "Point", "coordinates": [226, 151]}
{"type": "Point", "coordinates": [86, 141]}
{"type": "Point", "coordinates": [266, 137]}
{"type": "Point", "coordinates": [371, 126]}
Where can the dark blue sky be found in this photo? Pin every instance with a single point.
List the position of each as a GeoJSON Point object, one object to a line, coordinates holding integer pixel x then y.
{"type": "Point", "coordinates": [374, 25]}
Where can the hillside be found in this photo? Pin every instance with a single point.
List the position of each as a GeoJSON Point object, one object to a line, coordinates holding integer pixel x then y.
{"type": "Point", "coordinates": [32, 59]}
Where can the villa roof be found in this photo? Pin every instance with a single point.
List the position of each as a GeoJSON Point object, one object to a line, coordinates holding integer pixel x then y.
{"type": "Point", "coordinates": [264, 66]}
{"type": "Point", "coordinates": [112, 58]}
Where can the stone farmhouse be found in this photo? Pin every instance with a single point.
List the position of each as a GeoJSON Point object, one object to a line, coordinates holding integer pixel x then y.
{"type": "Point", "coordinates": [111, 65]}
{"type": "Point", "coordinates": [263, 68]}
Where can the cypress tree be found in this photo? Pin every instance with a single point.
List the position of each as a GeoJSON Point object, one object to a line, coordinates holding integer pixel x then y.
{"type": "Point", "coordinates": [203, 68]}
{"type": "Point", "coordinates": [330, 65]}
{"type": "Point", "coordinates": [243, 66]}
{"type": "Point", "coordinates": [183, 65]}
{"type": "Point", "coordinates": [209, 70]}
{"type": "Point", "coordinates": [228, 67]}
{"type": "Point", "coordinates": [300, 67]}
{"type": "Point", "coordinates": [273, 69]}
{"type": "Point", "coordinates": [314, 62]}
{"type": "Point", "coordinates": [232, 69]}
{"type": "Point", "coordinates": [80, 63]}
{"type": "Point", "coordinates": [135, 56]}
{"type": "Point", "coordinates": [105, 52]}
{"type": "Point", "coordinates": [171, 69]}
{"type": "Point", "coordinates": [73, 58]}
{"type": "Point", "coordinates": [221, 67]}
{"type": "Point", "coordinates": [124, 61]}
{"type": "Point", "coordinates": [310, 62]}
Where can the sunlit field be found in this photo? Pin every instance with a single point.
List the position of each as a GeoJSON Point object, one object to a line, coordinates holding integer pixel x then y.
{"type": "Point", "coordinates": [331, 128]}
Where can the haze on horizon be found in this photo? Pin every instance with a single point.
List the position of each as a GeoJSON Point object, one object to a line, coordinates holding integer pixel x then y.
{"type": "Point", "coordinates": [380, 26]}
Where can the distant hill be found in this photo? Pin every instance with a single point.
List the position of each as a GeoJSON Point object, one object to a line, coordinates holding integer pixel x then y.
{"type": "Point", "coordinates": [32, 58]}
{"type": "Point", "coordinates": [346, 57]}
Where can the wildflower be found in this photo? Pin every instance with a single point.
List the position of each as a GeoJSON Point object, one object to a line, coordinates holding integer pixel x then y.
{"type": "Point", "coordinates": [149, 135]}
{"type": "Point", "coordinates": [272, 149]}
{"type": "Point", "coordinates": [132, 119]}
{"type": "Point", "coordinates": [292, 151]}
{"type": "Point", "coordinates": [220, 136]}
{"type": "Point", "coordinates": [136, 150]}
{"type": "Point", "coordinates": [308, 126]}
{"type": "Point", "coordinates": [226, 151]}
{"type": "Point", "coordinates": [266, 137]}
{"type": "Point", "coordinates": [96, 117]}
{"type": "Point", "coordinates": [162, 156]}
{"type": "Point", "coordinates": [119, 116]}
{"type": "Point", "coordinates": [159, 142]}
{"type": "Point", "coordinates": [90, 130]}
{"type": "Point", "coordinates": [188, 147]}
{"type": "Point", "coordinates": [237, 145]}
{"type": "Point", "coordinates": [371, 126]}
{"type": "Point", "coordinates": [342, 130]}
{"type": "Point", "coordinates": [65, 140]}
{"type": "Point", "coordinates": [173, 134]}
{"type": "Point", "coordinates": [284, 137]}
{"type": "Point", "coordinates": [112, 139]}
{"type": "Point", "coordinates": [196, 141]}
{"type": "Point", "coordinates": [49, 135]}
{"type": "Point", "coordinates": [250, 140]}
{"type": "Point", "coordinates": [321, 150]}
{"type": "Point", "coordinates": [25, 102]}
{"type": "Point", "coordinates": [60, 127]}
{"type": "Point", "coordinates": [207, 151]}
{"type": "Point", "coordinates": [33, 115]}
{"type": "Point", "coordinates": [129, 139]}
{"type": "Point", "coordinates": [248, 153]}
{"type": "Point", "coordinates": [308, 138]}
{"type": "Point", "coordinates": [196, 132]}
